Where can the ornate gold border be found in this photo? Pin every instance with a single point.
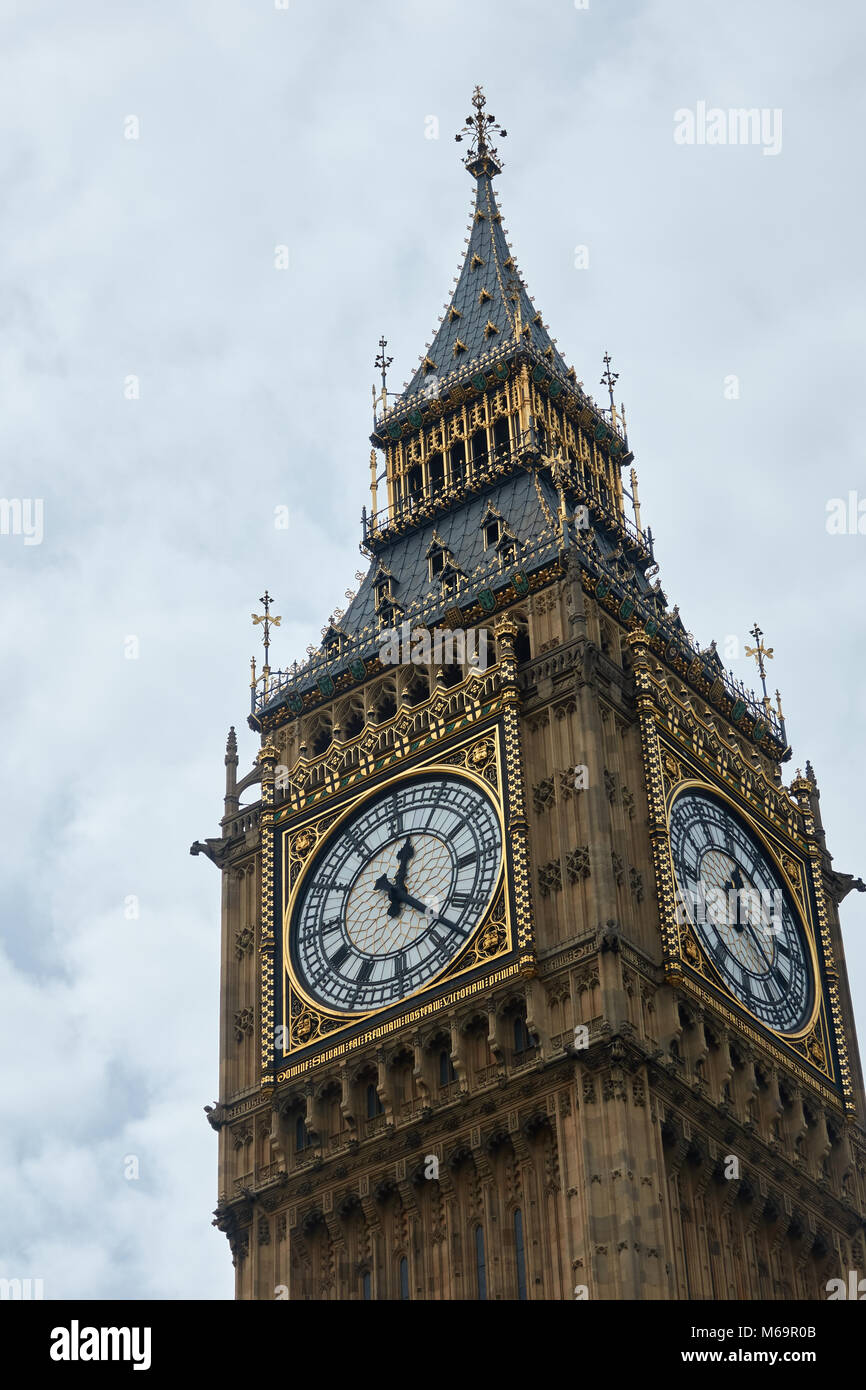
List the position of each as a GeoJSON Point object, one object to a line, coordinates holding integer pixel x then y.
{"type": "Point", "coordinates": [267, 756]}
{"type": "Point", "coordinates": [471, 757]}
{"type": "Point", "coordinates": [700, 784]}
{"type": "Point", "coordinates": [669, 764]}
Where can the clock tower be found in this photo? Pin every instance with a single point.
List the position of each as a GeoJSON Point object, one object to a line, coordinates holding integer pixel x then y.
{"type": "Point", "coordinates": [533, 984]}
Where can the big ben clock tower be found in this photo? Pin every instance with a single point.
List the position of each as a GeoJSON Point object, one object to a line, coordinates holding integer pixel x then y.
{"type": "Point", "coordinates": [533, 984]}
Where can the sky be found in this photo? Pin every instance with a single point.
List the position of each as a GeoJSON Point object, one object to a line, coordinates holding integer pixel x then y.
{"type": "Point", "coordinates": [167, 388]}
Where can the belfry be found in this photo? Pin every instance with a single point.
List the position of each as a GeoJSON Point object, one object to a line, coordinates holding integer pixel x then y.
{"type": "Point", "coordinates": [533, 984]}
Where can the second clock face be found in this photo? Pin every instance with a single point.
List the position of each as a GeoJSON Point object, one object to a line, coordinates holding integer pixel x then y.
{"type": "Point", "coordinates": [396, 892]}
{"type": "Point", "coordinates": [730, 890]}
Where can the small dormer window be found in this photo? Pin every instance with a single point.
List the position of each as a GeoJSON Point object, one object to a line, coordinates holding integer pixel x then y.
{"type": "Point", "coordinates": [508, 551]}
{"type": "Point", "coordinates": [437, 563]}
{"type": "Point", "coordinates": [491, 534]}
{"type": "Point", "coordinates": [383, 589]}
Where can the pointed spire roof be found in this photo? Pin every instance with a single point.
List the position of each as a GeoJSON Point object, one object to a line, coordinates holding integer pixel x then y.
{"type": "Point", "coordinates": [490, 305]}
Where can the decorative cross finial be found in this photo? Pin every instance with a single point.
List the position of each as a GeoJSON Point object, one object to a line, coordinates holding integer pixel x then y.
{"type": "Point", "coordinates": [266, 618]}
{"type": "Point", "coordinates": [482, 156]}
{"type": "Point", "coordinates": [382, 363]}
{"type": "Point", "coordinates": [609, 379]}
{"type": "Point", "coordinates": [761, 653]}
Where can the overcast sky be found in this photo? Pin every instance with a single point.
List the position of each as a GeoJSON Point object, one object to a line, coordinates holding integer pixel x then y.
{"type": "Point", "coordinates": [154, 258]}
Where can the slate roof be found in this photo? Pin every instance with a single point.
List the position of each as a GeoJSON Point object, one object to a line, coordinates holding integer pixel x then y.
{"type": "Point", "coordinates": [490, 295]}
{"type": "Point", "coordinates": [527, 503]}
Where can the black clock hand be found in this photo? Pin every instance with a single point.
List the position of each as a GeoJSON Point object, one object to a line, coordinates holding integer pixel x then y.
{"type": "Point", "coordinates": [397, 889]}
{"type": "Point", "coordinates": [399, 898]}
{"type": "Point", "coordinates": [422, 907]}
{"type": "Point", "coordinates": [384, 885]}
{"type": "Point", "coordinates": [404, 854]}
{"type": "Point", "coordinates": [736, 882]}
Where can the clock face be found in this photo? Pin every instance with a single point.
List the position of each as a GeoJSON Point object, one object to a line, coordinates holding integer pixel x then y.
{"type": "Point", "coordinates": [729, 889]}
{"type": "Point", "coordinates": [396, 892]}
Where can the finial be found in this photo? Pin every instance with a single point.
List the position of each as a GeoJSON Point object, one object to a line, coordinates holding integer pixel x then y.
{"type": "Point", "coordinates": [374, 483]}
{"type": "Point", "coordinates": [482, 158]}
{"type": "Point", "coordinates": [232, 745]}
{"type": "Point", "coordinates": [609, 379]}
{"type": "Point", "coordinates": [382, 363]}
{"type": "Point", "coordinates": [760, 652]}
{"type": "Point", "coordinates": [266, 618]}
{"type": "Point", "coordinates": [512, 293]}
{"type": "Point", "coordinates": [635, 501]}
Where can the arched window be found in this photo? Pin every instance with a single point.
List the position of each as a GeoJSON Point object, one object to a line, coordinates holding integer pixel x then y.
{"type": "Point", "coordinates": [300, 1135]}
{"type": "Point", "coordinates": [415, 482]}
{"type": "Point", "coordinates": [404, 1277]}
{"type": "Point", "coordinates": [458, 462]}
{"type": "Point", "coordinates": [478, 445]}
{"type": "Point", "coordinates": [374, 1104]}
{"type": "Point", "coordinates": [366, 1285]}
{"type": "Point", "coordinates": [446, 1068]}
{"type": "Point", "coordinates": [436, 471]}
{"type": "Point", "coordinates": [480, 1264]}
{"type": "Point", "coordinates": [501, 436]}
{"type": "Point", "coordinates": [519, 1253]}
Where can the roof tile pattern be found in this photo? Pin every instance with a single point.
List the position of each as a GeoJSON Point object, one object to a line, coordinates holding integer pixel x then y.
{"type": "Point", "coordinates": [490, 300]}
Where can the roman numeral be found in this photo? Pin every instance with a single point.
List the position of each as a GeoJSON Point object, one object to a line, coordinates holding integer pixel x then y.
{"type": "Point", "coordinates": [465, 861]}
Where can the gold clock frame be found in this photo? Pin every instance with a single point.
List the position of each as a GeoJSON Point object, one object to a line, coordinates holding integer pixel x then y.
{"type": "Point", "coordinates": [479, 759]}
{"type": "Point", "coordinates": [688, 935]}
{"type": "Point", "coordinates": [682, 741]}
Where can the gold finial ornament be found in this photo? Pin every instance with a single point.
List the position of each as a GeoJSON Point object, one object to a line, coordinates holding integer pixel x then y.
{"type": "Point", "coordinates": [482, 157]}
{"type": "Point", "coordinates": [635, 501]}
{"type": "Point", "coordinates": [761, 654]}
{"type": "Point", "coordinates": [266, 619]}
{"type": "Point", "coordinates": [374, 494]}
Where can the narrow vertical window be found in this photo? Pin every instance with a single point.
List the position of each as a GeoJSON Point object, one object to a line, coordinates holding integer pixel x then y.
{"type": "Point", "coordinates": [374, 1104]}
{"type": "Point", "coordinates": [480, 1264]}
{"type": "Point", "coordinates": [521, 1258]}
{"type": "Point", "coordinates": [300, 1135]}
{"type": "Point", "coordinates": [404, 1278]}
{"type": "Point", "coordinates": [446, 1068]}
{"type": "Point", "coordinates": [365, 1284]}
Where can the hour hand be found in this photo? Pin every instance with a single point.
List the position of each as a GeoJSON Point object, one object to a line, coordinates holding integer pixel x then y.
{"type": "Point", "coordinates": [384, 885]}
{"type": "Point", "coordinates": [404, 854]}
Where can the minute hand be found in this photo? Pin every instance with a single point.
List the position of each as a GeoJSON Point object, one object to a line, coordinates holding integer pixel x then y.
{"type": "Point", "coordinates": [404, 897]}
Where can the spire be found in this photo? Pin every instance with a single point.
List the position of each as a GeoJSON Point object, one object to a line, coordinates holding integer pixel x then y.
{"type": "Point", "coordinates": [490, 305]}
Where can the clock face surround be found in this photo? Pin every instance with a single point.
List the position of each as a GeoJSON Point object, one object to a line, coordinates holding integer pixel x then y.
{"type": "Point", "coordinates": [729, 889]}
{"type": "Point", "coordinates": [395, 892]}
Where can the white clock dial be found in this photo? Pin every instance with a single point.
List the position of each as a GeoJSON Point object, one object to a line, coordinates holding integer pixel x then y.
{"type": "Point", "coordinates": [730, 890]}
{"type": "Point", "coordinates": [396, 892]}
